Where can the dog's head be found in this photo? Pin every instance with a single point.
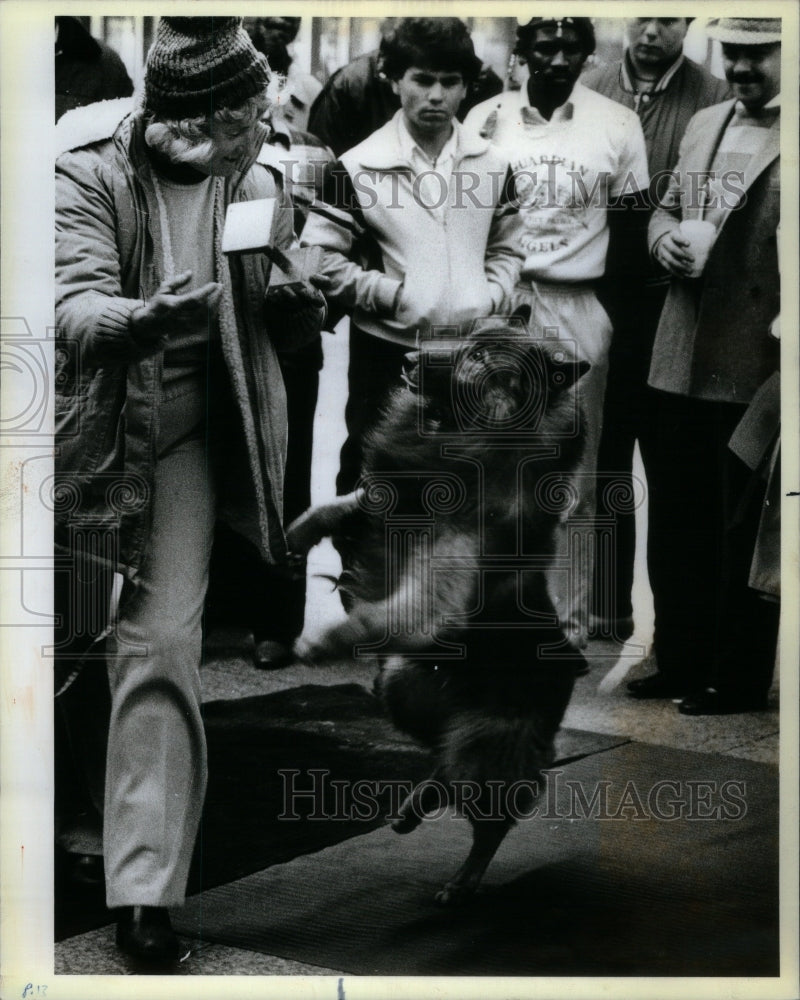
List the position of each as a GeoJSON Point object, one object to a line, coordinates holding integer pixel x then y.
{"type": "Point", "coordinates": [499, 378]}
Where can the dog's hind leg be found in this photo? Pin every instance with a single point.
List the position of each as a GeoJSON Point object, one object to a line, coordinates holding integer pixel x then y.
{"type": "Point", "coordinates": [487, 835]}
{"type": "Point", "coordinates": [427, 795]}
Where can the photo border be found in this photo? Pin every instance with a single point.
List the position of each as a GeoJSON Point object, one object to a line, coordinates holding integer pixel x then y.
{"type": "Point", "coordinates": [26, 712]}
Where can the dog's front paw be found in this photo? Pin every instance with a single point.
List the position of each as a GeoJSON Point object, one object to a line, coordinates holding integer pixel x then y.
{"type": "Point", "coordinates": [328, 644]}
{"type": "Point", "coordinates": [308, 651]}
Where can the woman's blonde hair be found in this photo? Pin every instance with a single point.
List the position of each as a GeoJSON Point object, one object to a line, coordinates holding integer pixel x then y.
{"type": "Point", "coordinates": [190, 140]}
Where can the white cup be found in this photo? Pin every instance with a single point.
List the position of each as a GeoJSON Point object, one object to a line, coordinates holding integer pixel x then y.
{"type": "Point", "coordinates": [701, 236]}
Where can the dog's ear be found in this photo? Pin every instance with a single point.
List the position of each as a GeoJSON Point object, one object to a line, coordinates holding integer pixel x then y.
{"type": "Point", "coordinates": [563, 370]}
{"type": "Point", "coordinates": [410, 372]}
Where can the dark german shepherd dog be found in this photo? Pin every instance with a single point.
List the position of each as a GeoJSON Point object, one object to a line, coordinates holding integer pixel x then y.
{"type": "Point", "coordinates": [443, 546]}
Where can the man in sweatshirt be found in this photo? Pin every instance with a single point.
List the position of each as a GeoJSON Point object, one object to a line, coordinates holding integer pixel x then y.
{"type": "Point", "coordinates": [580, 172]}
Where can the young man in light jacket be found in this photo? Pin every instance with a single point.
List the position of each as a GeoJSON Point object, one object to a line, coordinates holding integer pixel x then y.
{"type": "Point", "coordinates": [418, 223]}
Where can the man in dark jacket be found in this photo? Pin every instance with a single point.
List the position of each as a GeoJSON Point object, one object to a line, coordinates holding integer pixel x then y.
{"type": "Point", "coordinates": [87, 70]}
{"type": "Point", "coordinates": [358, 99]}
{"type": "Point", "coordinates": [715, 637]}
{"type": "Point", "coordinates": [664, 88]}
{"type": "Point", "coordinates": [273, 36]}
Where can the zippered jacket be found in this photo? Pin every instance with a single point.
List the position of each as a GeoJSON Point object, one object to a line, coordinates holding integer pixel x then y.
{"type": "Point", "coordinates": [400, 256]}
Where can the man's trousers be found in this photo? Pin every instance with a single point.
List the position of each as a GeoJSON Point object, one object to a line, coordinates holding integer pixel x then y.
{"type": "Point", "coordinates": [374, 370]}
{"type": "Point", "coordinates": [627, 418]}
{"type": "Point", "coordinates": [572, 313]}
{"type": "Point", "coordinates": [711, 628]}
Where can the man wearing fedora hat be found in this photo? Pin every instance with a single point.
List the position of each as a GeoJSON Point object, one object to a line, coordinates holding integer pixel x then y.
{"type": "Point", "coordinates": [665, 88]}
{"type": "Point", "coordinates": [170, 415]}
{"type": "Point", "coordinates": [715, 637]}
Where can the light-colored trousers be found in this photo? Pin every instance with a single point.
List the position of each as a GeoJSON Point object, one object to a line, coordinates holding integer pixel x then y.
{"type": "Point", "coordinates": [156, 768]}
{"type": "Point", "coordinates": [572, 313]}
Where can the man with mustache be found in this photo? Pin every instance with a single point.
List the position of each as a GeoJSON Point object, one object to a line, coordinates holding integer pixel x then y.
{"type": "Point", "coordinates": [580, 170]}
{"type": "Point", "coordinates": [716, 637]}
{"type": "Point", "coordinates": [665, 89]}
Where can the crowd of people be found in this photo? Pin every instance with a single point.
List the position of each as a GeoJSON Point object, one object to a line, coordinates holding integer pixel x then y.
{"type": "Point", "coordinates": [438, 197]}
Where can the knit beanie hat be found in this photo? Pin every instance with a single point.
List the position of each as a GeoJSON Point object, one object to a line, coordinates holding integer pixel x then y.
{"type": "Point", "coordinates": [200, 64]}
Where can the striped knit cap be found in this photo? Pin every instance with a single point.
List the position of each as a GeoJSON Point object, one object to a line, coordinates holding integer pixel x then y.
{"type": "Point", "coordinates": [200, 64]}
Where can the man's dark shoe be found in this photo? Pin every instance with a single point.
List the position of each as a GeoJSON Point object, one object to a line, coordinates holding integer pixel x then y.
{"type": "Point", "coordinates": [657, 686]}
{"type": "Point", "coordinates": [713, 702]}
{"type": "Point", "coordinates": [269, 654]}
{"type": "Point", "coordinates": [145, 934]}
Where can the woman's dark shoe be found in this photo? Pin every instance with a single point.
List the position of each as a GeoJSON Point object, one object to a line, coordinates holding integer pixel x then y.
{"type": "Point", "coordinates": [145, 934]}
{"type": "Point", "coordinates": [713, 702]}
{"type": "Point", "coordinates": [657, 686]}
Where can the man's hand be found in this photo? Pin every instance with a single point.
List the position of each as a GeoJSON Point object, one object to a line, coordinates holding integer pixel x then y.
{"type": "Point", "coordinates": [171, 312]}
{"type": "Point", "coordinates": [672, 254]}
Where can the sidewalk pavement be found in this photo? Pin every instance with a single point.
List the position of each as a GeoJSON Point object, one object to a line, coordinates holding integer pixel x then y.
{"type": "Point", "coordinates": [594, 708]}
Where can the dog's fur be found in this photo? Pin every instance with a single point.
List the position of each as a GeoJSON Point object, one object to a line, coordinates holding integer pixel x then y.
{"type": "Point", "coordinates": [466, 668]}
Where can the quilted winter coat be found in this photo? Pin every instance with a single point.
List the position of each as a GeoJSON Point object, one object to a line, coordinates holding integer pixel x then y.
{"type": "Point", "coordinates": [109, 254]}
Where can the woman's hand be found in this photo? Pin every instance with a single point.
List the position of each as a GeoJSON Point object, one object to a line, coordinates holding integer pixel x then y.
{"type": "Point", "coordinates": [170, 312]}
{"type": "Point", "coordinates": [294, 297]}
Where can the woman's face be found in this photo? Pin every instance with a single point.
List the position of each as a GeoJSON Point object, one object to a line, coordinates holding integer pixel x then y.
{"type": "Point", "coordinates": [231, 146]}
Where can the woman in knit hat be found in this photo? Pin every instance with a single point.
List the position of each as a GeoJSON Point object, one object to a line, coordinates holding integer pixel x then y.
{"type": "Point", "coordinates": [170, 416]}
